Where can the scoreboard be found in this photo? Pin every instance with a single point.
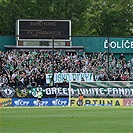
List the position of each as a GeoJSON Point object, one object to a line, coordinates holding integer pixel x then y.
{"type": "Point", "coordinates": [43, 30]}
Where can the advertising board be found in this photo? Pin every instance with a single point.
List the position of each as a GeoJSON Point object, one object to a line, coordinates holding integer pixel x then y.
{"type": "Point", "coordinates": [97, 102]}
{"type": "Point", "coordinates": [45, 102]}
{"type": "Point", "coordinates": [128, 102]}
{"type": "Point", "coordinates": [4, 102]}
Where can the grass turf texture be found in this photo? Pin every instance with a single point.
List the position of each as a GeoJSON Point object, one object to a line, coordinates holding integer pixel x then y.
{"type": "Point", "coordinates": [66, 120]}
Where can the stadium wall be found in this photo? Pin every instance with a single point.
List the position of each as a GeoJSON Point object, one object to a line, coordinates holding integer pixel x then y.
{"type": "Point", "coordinates": [118, 45]}
{"type": "Point", "coordinates": [6, 40]}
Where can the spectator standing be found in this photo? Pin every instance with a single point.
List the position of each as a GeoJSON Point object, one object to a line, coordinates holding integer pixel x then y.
{"type": "Point", "coordinates": [40, 95]}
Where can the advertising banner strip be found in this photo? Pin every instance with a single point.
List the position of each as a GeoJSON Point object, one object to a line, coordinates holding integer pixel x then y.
{"type": "Point", "coordinates": [128, 102]}
{"type": "Point", "coordinates": [45, 102]}
{"type": "Point", "coordinates": [4, 102]}
{"type": "Point", "coordinates": [97, 102]}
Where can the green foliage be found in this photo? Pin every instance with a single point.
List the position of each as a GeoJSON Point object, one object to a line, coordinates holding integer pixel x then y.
{"type": "Point", "coordinates": [89, 17]}
{"type": "Point", "coordinates": [110, 17]}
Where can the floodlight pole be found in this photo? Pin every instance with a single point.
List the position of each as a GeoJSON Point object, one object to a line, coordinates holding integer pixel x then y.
{"type": "Point", "coordinates": [1, 73]}
{"type": "Point", "coordinates": [52, 60]}
{"type": "Point", "coordinates": [108, 57]}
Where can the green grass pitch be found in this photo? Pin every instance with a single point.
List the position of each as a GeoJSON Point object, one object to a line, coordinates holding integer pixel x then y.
{"type": "Point", "coordinates": [66, 120]}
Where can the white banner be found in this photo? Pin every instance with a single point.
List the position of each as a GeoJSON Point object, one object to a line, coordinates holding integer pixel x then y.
{"type": "Point", "coordinates": [59, 77]}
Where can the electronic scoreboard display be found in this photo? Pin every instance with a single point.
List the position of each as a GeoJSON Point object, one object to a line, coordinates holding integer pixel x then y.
{"type": "Point", "coordinates": [35, 30]}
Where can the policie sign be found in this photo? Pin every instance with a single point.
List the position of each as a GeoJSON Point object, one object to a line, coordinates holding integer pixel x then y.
{"type": "Point", "coordinates": [38, 30]}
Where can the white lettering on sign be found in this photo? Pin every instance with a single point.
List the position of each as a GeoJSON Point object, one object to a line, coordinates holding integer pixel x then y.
{"type": "Point", "coordinates": [21, 103]}
{"type": "Point", "coordinates": [59, 90]}
{"type": "Point", "coordinates": [59, 102]}
{"type": "Point", "coordinates": [115, 44]}
{"type": "Point", "coordinates": [59, 77]}
{"type": "Point", "coordinates": [43, 103]}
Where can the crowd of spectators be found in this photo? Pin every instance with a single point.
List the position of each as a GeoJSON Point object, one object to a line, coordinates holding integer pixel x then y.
{"type": "Point", "coordinates": [29, 68]}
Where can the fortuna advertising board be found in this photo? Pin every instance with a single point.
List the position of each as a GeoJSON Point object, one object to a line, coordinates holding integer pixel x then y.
{"type": "Point", "coordinates": [97, 102]}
